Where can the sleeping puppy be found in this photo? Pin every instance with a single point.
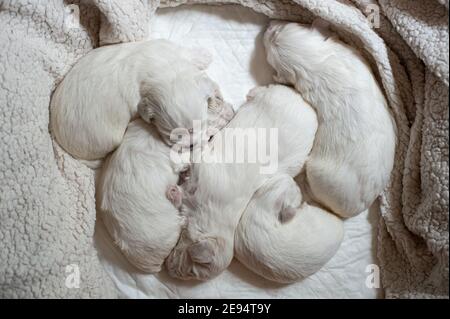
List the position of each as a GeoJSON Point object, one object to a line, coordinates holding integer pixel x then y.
{"type": "Point", "coordinates": [138, 196]}
{"type": "Point", "coordinates": [353, 153]}
{"type": "Point", "coordinates": [143, 223]}
{"type": "Point", "coordinates": [217, 192]}
{"type": "Point", "coordinates": [137, 193]}
{"type": "Point", "coordinates": [282, 239]}
{"type": "Point", "coordinates": [161, 81]}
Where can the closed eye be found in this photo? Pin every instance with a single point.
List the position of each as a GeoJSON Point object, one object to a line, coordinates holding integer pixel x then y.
{"type": "Point", "coordinates": [210, 103]}
{"type": "Point", "coordinates": [213, 103]}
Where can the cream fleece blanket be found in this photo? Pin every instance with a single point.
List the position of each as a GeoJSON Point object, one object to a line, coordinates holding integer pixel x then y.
{"type": "Point", "coordinates": [47, 202]}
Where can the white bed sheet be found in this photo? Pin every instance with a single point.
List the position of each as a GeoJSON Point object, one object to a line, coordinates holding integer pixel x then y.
{"type": "Point", "coordinates": [233, 34]}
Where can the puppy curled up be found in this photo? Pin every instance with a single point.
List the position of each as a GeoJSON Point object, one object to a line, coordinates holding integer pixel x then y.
{"type": "Point", "coordinates": [217, 192]}
{"type": "Point", "coordinates": [283, 239]}
{"type": "Point", "coordinates": [132, 201]}
{"type": "Point", "coordinates": [353, 153]}
{"type": "Point", "coordinates": [111, 85]}
{"type": "Point", "coordinates": [137, 191]}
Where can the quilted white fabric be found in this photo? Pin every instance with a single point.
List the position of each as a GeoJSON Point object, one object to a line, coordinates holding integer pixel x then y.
{"type": "Point", "coordinates": [233, 34]}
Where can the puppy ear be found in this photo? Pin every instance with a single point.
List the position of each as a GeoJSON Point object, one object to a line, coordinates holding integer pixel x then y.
{"type": "Point", "coordinates": [280, 79]}
{"type": "Point", "coordinates": [200, 57]}
{"type": "Point", "coordinates": [177, 263]}
{"type": "Point", "coordinates": [145, 110]}
{"type": "Point", "coordinates": [254, 92]}
{"type": "Point", "coordinates": [287, 199]}
{"type": "Point", "coordinates": [286, 214]}
{"type": "Point", "coordinates": [203, 251]}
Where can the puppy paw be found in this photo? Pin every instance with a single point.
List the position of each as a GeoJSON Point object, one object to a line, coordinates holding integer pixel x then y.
{"type": "Point", "coordinates": [175, 195]}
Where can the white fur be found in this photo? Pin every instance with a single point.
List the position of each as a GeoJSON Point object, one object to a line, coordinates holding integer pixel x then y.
{"type": "Point", "coordinates": [283, 240]}
{"type": "Point", "coordinates": [138, 193]}
{"type": "Point", "coordinates": [107, 88]}
{"type": "Point", "coordinates": [353, 153]}
{"type": "Point", "coordinates": [217, 194]}
{"type": "Point", "coordinates": [131, 195]}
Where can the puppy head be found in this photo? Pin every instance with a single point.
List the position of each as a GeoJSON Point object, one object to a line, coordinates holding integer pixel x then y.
{"type": "Point", "coordinates": [219, 111]}
{"type": "Point", "coordinates": [177, 102]}
{"type": "Point", "coordinates": [201, 258]}
{"type": "Point", "coordinates": [188, 104]}
{"type": "Point", "coordinates": [290, 46]}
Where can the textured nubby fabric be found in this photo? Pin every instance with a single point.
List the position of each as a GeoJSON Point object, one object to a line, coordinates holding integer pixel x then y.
{"type": "Point", "coordinates": [47, 199]}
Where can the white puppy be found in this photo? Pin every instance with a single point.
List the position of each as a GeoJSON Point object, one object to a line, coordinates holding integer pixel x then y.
{"type": "Point", "coordinates": [93, 105]}
{"type": "Point", "coordinates": [217, 193]}
{"type": "Point", "coordinates": [283, 240]}
{"type": "Point", "coordinates": [353, 153]}
{"type": "Point", "coordinates": [138, 194]}
{"type": "Point", "coordinates": [131, 195]}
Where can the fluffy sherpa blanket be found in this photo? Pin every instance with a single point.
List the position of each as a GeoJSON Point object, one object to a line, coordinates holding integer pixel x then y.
{"type": "Point", "coordinates": [47, 202]}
